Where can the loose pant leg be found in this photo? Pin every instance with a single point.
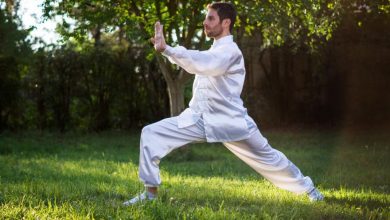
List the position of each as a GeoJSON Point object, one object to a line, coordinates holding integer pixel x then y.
{"type": "Point", "coordinates": [271, 163]}
{"type": "Point", "coordinates": [160, 138]}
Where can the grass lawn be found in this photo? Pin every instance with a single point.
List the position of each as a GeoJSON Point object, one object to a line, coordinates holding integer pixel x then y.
{"type": "Point", "coordinates": [74, 176]}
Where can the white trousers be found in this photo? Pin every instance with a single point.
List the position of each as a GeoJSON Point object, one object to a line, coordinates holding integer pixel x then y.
{"type": "Point", "coordinates": [160, 138]}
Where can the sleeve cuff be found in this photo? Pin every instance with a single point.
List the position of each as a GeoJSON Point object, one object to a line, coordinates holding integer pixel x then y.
{"type": "Point", "coordinates": [168, 51]}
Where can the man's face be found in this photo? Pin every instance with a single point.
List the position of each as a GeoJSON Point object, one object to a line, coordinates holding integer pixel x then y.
{"type": "Point", "coordinates": [212, 24]}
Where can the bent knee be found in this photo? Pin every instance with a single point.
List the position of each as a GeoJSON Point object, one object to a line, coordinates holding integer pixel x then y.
{"type": "Point", "coordinates": [148, 136]}
{"type": "Point", "coordinates": [147, 131]}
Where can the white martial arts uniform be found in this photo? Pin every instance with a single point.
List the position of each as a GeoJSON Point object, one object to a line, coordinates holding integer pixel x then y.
{"type": "Point", "coordinates": [216, 114]}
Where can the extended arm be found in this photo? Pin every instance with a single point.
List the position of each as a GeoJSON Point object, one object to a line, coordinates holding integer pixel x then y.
{"type": "Point", "coordinates": [210, 62]}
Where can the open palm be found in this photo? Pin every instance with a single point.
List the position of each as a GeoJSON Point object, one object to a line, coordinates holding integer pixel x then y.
{"type": "Point", "coordinates": [159, 40]}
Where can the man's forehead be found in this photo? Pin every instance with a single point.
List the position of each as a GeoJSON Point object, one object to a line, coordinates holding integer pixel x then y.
{"type": "Point", "coordinates": [212, 13]}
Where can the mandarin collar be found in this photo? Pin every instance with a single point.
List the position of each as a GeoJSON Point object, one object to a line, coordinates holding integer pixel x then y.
{"type": "Point", "coordinates": [223, 40]}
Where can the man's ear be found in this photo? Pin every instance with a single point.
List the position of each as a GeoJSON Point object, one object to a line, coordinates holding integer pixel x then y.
{"type": "Point", "coordinates": [226, 22]}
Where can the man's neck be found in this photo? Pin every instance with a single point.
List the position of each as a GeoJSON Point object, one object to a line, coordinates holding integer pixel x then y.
{"type": "Point", "coordinates": [223, 34]}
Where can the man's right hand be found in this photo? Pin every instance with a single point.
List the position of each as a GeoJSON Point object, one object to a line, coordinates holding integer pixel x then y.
{"type": "Point", "coordinates": [158, 40]}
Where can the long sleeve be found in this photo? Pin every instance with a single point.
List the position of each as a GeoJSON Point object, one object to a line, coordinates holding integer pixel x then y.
{"type": "Point", "coordinates": [212, 62]}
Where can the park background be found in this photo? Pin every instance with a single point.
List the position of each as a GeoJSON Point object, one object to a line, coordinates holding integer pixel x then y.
{"type": "Point", "coordinates": [317, 84]}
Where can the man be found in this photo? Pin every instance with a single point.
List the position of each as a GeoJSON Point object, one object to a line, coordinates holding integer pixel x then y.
{"type": "Point", "coordinates": [216, 112]}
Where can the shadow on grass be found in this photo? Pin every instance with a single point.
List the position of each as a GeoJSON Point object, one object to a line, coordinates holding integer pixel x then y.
{"type": "Point", "coordinates": [330, 160]}
{"type": "Point", "coordinates": [320, 158]}
{"type": "Point", "coordinates": [369, 203]}
{"type": "Point", "coordinates": [234, 204]}
{"type": "Point", "coordinates": [95, 184]}
{"type": "Point", "coordinates": [66, 179]}
{"type": "Point", "coordinates": [205, 160]}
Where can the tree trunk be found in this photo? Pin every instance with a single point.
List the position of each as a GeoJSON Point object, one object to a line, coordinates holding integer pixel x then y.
{"type": "Point", "coordinates": [176, 80]}
{"type": "Point", "coordinates": [176, 97]}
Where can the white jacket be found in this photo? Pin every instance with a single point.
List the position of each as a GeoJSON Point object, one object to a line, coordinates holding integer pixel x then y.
{"type": "Point", "coordinates": [219, 79]}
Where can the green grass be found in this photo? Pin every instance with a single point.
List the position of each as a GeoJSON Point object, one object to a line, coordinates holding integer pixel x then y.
{"type": "Point", "coordinates": [73, 176]}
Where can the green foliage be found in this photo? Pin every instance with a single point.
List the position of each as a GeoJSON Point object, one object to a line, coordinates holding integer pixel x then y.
{"type": "Point", "coordinates": [9, 87]}
{"type": "Point", "coordinates": [15, 51]}
{"type": "Point", "coordinates": [72, 176]}
{"type": "Point", "coordinates": [294, 23]}
{"type": "Point", "coordinates": [93, 89]}
{"type": "Point", "coordinates": [308, 23]}
{"type": "Point", "coordinates": [135, 18]}
{"type": "Point", "coordinates": [297, 23]}
{"type": "Point", "coordinates": [13, 40]}
{"type": "Point", "coordinates": [105, 73]}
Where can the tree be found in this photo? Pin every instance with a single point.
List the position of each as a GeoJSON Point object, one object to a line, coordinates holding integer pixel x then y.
{"type": "Point", "coordinates": [182, 20]}
{"type": "Point", "coordinates": [14, 52]}
{"type": "Point", "coordinates": [292, 23]}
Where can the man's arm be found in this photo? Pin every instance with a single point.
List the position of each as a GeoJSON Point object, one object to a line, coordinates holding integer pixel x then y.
{"type": "Point", "coordinates": [209, 62]}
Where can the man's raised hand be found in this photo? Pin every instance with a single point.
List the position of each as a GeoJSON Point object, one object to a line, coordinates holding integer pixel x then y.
{"type": "Point", "coordinates": [158, 40]}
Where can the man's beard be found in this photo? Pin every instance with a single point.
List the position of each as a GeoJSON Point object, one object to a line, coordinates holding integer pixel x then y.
{"type": "Point", "coordinates": [213, 33]}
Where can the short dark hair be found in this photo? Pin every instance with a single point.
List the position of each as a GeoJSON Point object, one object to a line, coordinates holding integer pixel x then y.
{"type": "Point", "coordinates": [225, 10]}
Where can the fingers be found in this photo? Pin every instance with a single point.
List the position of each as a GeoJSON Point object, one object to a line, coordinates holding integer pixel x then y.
{"type": "Point", "coordinates": [158, 29]}
{"type": "Point", "coordinates": [152, 40]}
